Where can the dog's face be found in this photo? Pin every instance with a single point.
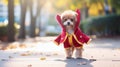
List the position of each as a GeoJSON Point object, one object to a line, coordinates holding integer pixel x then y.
{"type": "Point", "coordinates": [68, 18]}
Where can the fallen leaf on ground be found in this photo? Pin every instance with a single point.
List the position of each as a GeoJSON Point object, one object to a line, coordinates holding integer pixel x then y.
{"type": "Point", "coordinates": [30, 65]}
{"type": "Point", "coordinates": [12, 46]}
{"type": "Point", "coordinates": [4, 48]}
{"type": "Point", "coordinates": [55, 54]}
{"type": "Point", "coordinates": [91, 56]}
{"type": "Point", "coordinates": [22, 45]}
{"type": "Point", "coordinates": [25, 54]}
{"type": "Point", "coordinates": [114, 55]}
{"type": "Point", "coordinates": [42, 58]}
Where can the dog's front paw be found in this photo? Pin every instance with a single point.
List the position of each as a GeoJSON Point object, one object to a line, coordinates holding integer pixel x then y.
{"type": "Point", "coordinates": [69, 58]}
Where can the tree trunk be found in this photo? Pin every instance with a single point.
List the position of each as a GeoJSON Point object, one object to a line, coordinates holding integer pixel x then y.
{"type": "Point", "coordinates": [11, 29]}
{"type": "Point", "coordinates": [84, 11]}
{"type": "Point", "coordinates": [32, 27]}
{"type": "Point", "coordinates": [22, 32]}
{"type": "Point", "coordinates": [32, 20]}
{"type": "Point", "coordinates": [34, 17]}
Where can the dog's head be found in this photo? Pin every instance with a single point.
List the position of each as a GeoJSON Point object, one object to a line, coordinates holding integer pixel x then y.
{"type": "Point", "coordinates": [69, 18]}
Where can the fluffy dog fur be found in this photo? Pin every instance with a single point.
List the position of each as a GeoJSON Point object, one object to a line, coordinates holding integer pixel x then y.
{"type": "Point", "coordinates": [71, 36]}
{"type": "Point", "coordinates": [69, 19]}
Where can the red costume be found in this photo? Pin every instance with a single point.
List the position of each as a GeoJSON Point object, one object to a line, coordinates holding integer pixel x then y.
{"type": "Point", "coordinates": [78, 38]}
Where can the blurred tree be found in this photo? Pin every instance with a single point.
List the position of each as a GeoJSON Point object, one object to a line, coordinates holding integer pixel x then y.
{"type": "Point", "coordinates": [22, 32]}
{"type": "Point", "coordinates": [34, 15]}
{"type": "Point", "coordinates": [96, 7]}
{"type": "Point", "coordinates": [82, 5]}
{"type": "Point", "coordinates": [92, 7]}
{"type": "Point", "coordinates": [115, 5]}
{"type": "Point", "coordinates": [76, 4]}
{"type": "Point", "coordinates": [61, 5]}
{"type": "Point", "coordinates": [11, 29]}
{"type": "Point", "coordinates": [16, 2]}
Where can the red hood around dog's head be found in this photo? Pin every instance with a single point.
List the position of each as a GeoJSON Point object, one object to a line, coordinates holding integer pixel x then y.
{"type": "Point", "coordinates": [59, 18]}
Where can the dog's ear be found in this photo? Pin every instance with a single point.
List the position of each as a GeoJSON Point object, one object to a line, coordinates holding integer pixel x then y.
{"type": "Point", "coordinates": [58, 17]}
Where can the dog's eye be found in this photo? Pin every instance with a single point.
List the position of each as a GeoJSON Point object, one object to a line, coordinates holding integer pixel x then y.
{"type": "Point", "coordinates": [71, 19]}
{"type": "Point", "coordinates": [65, 19]}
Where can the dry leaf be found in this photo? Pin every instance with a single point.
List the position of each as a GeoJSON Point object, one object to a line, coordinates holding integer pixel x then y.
{"type": "Point", "coordinates": [25, 54]}
{"type": "Point", "coordinates": [43, 58]}
{"type": "Point", "coordinates": [12, 46]}
{"type": "Point", "coordinates": [55, 54]}
{"type": "Point", "coordinates": [30, 65]}
{"type": "Point", "coordinates": [22, 46]}
{"type": "Point", "coordinates": [4, 48]}
{"type": "Point", "coordinates": [91, 56]}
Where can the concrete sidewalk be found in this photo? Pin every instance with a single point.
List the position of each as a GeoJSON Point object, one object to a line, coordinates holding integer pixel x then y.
{"type": "Point", "coordinates": [42, 52]}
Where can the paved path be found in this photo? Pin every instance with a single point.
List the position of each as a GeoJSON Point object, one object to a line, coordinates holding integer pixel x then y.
{"type": "Point", "coordinates": [42, 52]}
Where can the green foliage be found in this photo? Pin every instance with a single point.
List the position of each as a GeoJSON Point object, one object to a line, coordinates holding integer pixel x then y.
{"type": "Point", "coordinates": [115, 4]}
{"type": "Point", "coordinates": [3, 29]}
{"type": "Point", "coordinates": [102, 25]}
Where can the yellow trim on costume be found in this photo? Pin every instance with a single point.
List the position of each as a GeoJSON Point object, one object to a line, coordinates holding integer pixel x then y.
{"type": "Point", "coordinates": [65, 37]}
{"type": "Point", "coordinates": [56, 43]}
{"type": "Point", "coordinates": [88, 41]}
{"type": "Point", "coordinates": [75, 47]}
{"type": "Point", "coordinates": [79, 47]}
{"type": "Point", "coordinates": [77, 39]}
{"type": "Point", "coordinates": [70, 39]}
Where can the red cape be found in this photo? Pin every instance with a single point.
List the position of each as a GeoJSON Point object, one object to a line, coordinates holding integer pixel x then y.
{"type": "Point", "coordinates": [78, 38]}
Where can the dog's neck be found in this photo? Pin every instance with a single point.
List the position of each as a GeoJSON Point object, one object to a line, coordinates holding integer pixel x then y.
{"type": "Point", "coordinates": [69, 29]}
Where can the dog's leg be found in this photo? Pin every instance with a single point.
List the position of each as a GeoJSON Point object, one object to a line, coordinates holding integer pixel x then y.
{"type": "Point", "coordinates": [79, 53]}
{"type": "Point", "coordinates": [69, 52]}
{"type": "Point", "coordinates": [72, 50]}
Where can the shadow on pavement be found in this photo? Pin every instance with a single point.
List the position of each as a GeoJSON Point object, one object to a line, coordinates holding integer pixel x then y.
{"type": "Point", "coordinates": [77, 62]}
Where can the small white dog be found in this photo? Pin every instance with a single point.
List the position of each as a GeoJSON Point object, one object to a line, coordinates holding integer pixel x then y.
{"type": "Point", "coordinates": [71, 36]}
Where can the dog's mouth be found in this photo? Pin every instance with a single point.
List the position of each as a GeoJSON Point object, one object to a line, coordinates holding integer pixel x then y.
{"type": "Point", "coordinates": [69, 26]}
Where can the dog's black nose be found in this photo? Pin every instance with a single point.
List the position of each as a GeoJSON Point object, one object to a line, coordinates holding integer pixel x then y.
{"type": "Point", "coordinates": [68, 23]}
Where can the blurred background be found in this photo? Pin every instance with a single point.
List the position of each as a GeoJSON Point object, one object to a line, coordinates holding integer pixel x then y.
{"type": "Point", "coordinates": [20, 19]}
